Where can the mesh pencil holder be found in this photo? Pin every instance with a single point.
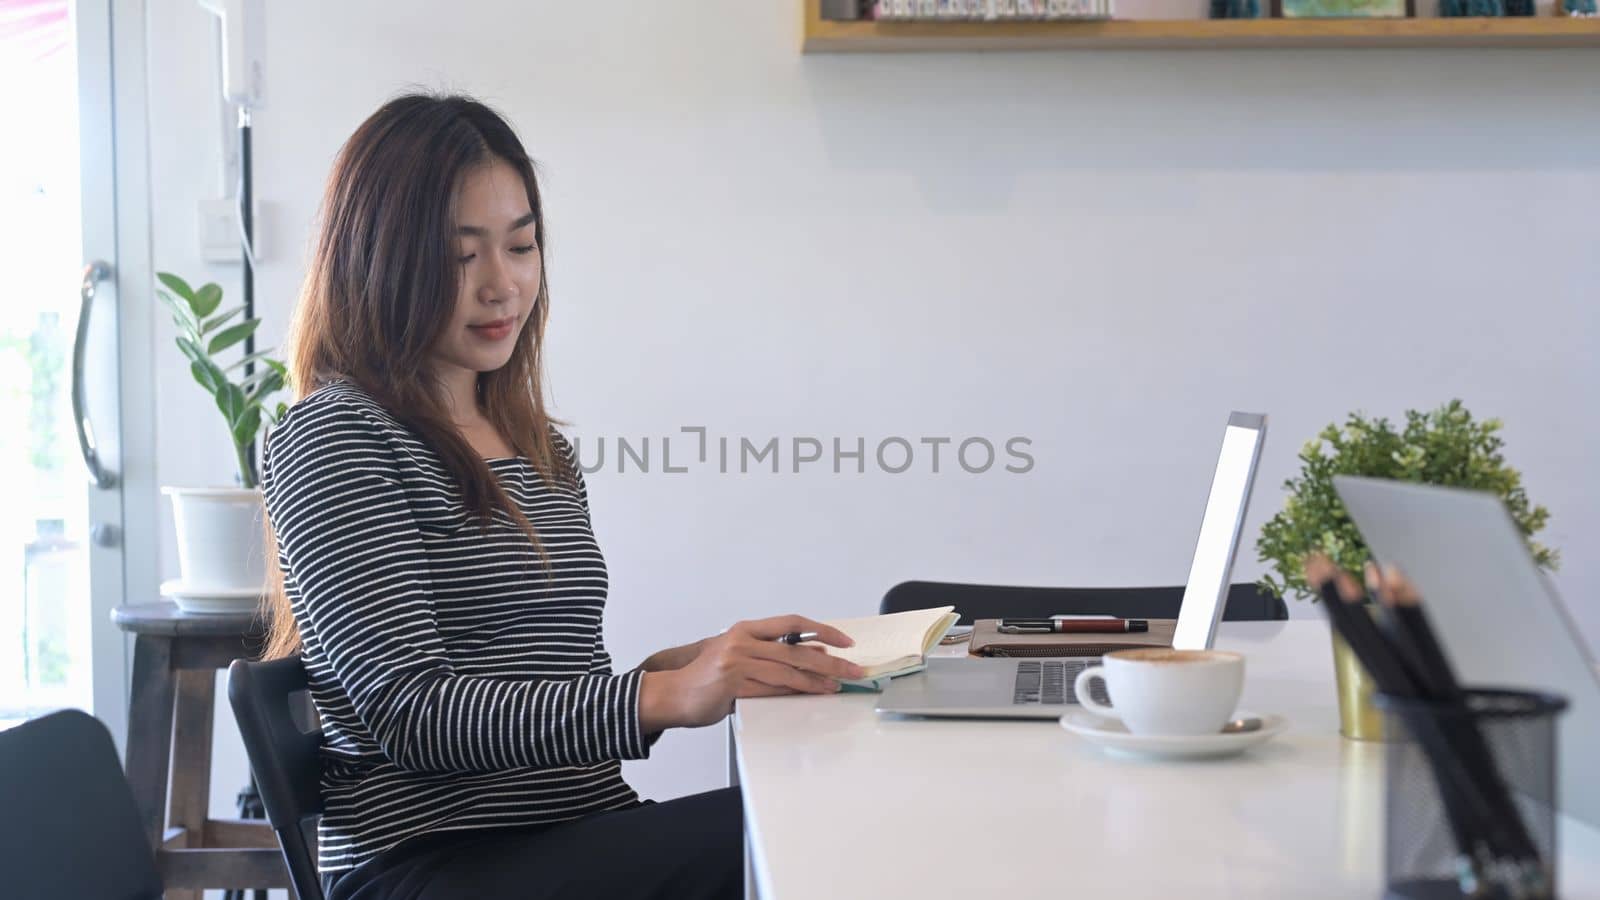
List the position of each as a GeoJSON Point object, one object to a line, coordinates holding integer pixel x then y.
{"type": "Point", "coordinates": [1426, 829]}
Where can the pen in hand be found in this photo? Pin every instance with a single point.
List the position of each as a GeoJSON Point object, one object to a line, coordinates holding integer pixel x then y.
{"type": "Point", "coordinates": [795, 638]}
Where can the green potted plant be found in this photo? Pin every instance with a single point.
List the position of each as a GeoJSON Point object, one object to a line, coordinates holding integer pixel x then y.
{"type": "Point", "coordinates": [1444, 447]}
{"type": "Point", "coordinates": [219, 528]}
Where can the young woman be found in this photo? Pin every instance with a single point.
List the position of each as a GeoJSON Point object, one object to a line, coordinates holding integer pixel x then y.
{"type": "Point", "coordinates": [438, 569]}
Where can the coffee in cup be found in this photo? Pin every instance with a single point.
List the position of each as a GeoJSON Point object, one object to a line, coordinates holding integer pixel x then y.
{"type": "Point", "coordinates": [1162, 691]}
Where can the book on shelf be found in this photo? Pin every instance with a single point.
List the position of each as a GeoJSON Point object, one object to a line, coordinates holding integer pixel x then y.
{"type": "Point", "coordinates": [971, 10]}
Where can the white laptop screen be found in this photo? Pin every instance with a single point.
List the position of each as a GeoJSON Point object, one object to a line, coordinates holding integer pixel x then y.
{"type": "Point", "coordinates": [1207, 588]}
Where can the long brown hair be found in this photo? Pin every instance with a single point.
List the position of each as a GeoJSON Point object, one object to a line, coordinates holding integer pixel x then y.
{"type": "Point", "coordinates": [380, 289]}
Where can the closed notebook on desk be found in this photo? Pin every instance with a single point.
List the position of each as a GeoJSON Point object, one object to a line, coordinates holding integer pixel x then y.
{"type": "Point", "coordinates": [988, 641]}
{"type": "Point", "coordinates": [892, 644]}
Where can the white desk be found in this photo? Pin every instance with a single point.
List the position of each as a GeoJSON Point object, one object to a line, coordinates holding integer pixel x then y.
{"type": "Point", "coordinates": [840, 803]}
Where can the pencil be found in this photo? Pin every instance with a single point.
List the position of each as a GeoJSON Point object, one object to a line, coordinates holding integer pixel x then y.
{"type": "Point", "coordinates": [1465, 810]}
{"type": "Point", "coordinates": [1401, 599]}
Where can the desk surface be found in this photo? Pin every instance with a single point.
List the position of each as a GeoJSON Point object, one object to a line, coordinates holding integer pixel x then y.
{"type": "Point", "coordinates": [839, 802]}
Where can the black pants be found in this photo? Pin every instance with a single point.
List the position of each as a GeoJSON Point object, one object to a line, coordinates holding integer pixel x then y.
{"type": "Point", "coordinates": [692, 847]}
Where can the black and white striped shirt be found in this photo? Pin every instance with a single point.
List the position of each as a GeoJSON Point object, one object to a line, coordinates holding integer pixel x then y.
{"type": "Point", "coordinates": [458, 686]}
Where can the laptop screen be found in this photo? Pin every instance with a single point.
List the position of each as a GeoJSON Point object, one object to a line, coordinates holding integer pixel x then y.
{"type": "Point", "coordinates": [1207, 588]}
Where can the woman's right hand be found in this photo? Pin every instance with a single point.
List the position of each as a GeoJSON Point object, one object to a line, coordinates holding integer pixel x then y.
{"type": "Point", "coordinates": [747, 660]}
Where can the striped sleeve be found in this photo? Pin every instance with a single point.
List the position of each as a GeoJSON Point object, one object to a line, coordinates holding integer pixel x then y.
{"type": "Point", "coordinates": [345, 529]}
{"type": "Point", "coordinates": [602, 663]}
{"type": "Point", "coordinates": [568, 453]}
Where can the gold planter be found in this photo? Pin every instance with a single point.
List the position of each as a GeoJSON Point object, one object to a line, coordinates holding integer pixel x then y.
{"type": "Point", "coordinates": [1359, 719]}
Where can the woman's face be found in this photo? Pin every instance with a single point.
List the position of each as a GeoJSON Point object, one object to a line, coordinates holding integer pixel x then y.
{"type": "Point", "coordinates": [500, 271]}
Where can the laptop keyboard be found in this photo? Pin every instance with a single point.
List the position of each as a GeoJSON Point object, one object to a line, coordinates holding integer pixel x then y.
{"type": "Point", "coordinates": [1049, 681]}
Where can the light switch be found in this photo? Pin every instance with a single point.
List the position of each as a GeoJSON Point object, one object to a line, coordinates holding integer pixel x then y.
{"type": "Point", "coordinates": [220, 237]}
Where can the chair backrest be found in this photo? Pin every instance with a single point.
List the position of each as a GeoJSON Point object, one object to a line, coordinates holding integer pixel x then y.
{"type": "Point", "coordinates": [284, 757]}
{"type": "Point", "coordinates": [69, 826]}
{"type": "Point", "coordinates": [1246, 602]}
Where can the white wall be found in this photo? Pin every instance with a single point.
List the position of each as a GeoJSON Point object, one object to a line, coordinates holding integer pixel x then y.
{"type": "Point", "coordinates": [1101, 252]}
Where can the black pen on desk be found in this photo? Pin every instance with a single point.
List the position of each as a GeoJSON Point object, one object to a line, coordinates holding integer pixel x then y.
{"type": "Point", "coordinates": [796, 637]}
{"type": "Point", "coordinates": [1073, 626]}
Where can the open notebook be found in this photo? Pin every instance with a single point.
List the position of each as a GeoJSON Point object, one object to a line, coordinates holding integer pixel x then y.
{"type": "Point", "coordinates": [893, 644]}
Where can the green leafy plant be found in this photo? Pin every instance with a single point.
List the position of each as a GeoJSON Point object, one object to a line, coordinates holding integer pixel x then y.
{"type": "Point", "coordinates": [203, 333]}
{"type": "Point", "coordinates": [1443, 447]}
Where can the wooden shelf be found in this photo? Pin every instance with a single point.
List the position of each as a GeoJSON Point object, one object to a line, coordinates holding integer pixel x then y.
{"type": "Point", "coordinates": [823, 36]}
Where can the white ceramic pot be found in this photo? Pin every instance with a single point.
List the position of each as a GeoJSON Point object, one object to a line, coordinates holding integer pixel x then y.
{"type": "Point", "coordinates": [220, 548]}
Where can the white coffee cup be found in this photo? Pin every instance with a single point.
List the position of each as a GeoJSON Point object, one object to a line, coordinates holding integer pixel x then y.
{"type": "Point", "coordinates": [1158, 690]}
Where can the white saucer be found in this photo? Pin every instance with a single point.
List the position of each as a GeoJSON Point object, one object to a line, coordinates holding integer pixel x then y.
{"type": "Point", "coordinates": [1113, 735]}
{"type": "Point", "coordinates": [211, 600]}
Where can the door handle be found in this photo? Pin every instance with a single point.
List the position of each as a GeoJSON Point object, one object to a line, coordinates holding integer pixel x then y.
{"type": "Point", "coordinates": [99, 475]}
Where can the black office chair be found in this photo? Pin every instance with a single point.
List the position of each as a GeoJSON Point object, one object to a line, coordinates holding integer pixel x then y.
{"type": "Point", "coordinates": [266, 697]}
{"type": "Point", "coordinates": [1246, 602]}
{"type": "Point", "coordinates": [69, 827]}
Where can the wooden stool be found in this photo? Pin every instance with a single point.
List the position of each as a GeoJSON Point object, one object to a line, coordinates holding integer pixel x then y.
{"type": "Point", "coordinates": [176, 656]}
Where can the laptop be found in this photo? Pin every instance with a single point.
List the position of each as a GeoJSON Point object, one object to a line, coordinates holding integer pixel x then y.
{"type": "Point", "coordinates": [1040, 688]}
{"type": "Point", "coordinates": [1499, 618]}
